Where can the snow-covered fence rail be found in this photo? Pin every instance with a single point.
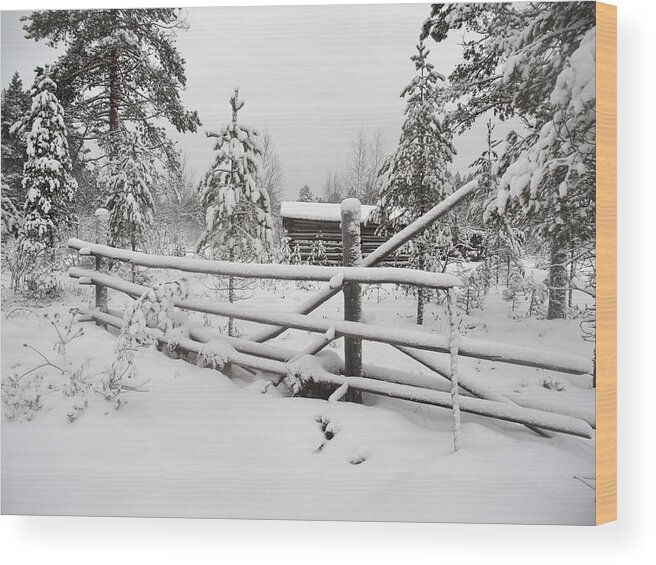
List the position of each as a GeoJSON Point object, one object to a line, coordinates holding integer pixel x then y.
{"type": "Point", "coordinates": [335, 275]}
{"type": "Point", "coordinates": [467, 347]}
{"type": "Point", "coordinates": [318, 370]}
{"type": "Point", "coordinates": [350, 375]}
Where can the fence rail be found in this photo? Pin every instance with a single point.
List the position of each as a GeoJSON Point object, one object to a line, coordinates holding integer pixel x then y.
{"type": "Point", "coordinates": [442, 388]}
{"type": "Point", "coordinates": [467, 347]}
{"type": "Point", "coordinates": [532, 418]}
{"type": "Point", "coordinates": [335, 275]}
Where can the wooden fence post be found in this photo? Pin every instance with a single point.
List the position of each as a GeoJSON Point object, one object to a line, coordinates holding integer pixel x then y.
{"type": "Point", "coordinates": [453, 350]}
{"type": "Point", "coordinates": [352, 257]}
{"type": "Point", "coordinates": [102, 229]}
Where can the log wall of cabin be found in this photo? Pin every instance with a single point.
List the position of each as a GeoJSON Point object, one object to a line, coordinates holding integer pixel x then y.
{"type": "Point", "coordinates": [304, 233]}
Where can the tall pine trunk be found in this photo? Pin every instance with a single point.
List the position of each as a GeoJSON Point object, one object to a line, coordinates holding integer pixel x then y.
{"type": "Point", "coordinates": [114, 94]}
{"type": "Point", "coordinates": [558, 279]}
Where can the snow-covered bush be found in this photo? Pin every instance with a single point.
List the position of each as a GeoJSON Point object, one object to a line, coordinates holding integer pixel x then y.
{"type": "Point", "coordinates": [41, 284]}
{"type": "Point", "coordinates": [154, 310]}
{"type": "Point", "coordinates": [36, 278]}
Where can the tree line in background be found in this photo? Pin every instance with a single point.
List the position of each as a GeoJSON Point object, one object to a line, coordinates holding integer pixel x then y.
{"type": "Point", "coordinates": [361, 175]}
{"type": "Point", "coordinates": [91, 132]}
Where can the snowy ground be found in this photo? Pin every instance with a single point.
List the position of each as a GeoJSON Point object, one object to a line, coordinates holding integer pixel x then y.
{"type": "Point", "coordinates": [201, 444]}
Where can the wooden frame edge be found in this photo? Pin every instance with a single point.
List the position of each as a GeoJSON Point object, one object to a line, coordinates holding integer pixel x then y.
{"type": "Point", "coordinates": [606, 332]}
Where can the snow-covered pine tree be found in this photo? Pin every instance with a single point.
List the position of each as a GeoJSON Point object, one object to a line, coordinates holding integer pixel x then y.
{"type": "Point", "coordinates": [238, 223]}
{"type": "Point", "coordinates": [306, 194]}
{"type": "Point", "coordinates": [16, 103]}
{"type": "Point", "coordinates": [47, 180]}
{"type": "Point", "coordinates": [130, 183]}
{"type": "Point", "coordinates": [119, 68]}
{"type": "Point", "coordinates": [534, 61]}
{"type": "Point", "coordinates": [12, 219]}
{"type": "Point", "coordinates": [415, 176]}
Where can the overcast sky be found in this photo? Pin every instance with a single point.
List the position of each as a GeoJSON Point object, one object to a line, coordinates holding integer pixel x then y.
{"type": "Point", "coordinates": [310, 75]}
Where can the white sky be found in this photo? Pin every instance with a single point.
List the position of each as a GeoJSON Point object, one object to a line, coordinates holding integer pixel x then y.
{"type": "Point", "coordinates": [311, 75]}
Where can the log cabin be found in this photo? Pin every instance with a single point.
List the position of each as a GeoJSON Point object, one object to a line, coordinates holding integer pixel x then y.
{"type": "Point", "coordinates": [307, 223]}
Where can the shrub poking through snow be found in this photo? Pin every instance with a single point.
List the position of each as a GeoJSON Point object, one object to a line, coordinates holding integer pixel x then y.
{"type": "Point", "coordinates": [216, 355]}
{"type": "Point", "coordinates": [22, 394]}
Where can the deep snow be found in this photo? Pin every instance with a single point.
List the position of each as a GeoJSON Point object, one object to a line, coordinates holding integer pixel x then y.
{"type": "Point", "coordinates": [198, 443]}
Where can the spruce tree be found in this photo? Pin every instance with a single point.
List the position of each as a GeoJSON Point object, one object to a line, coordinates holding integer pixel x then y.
{"type": "Point", "coordinates": [47, 181]}
{"type": "Point", "coordinates": [16, 103]}
{"type": "Point", "coordinates": [238, 223]}
{"type": "Point", "coordinates": [415, 176]}
{"type": "Point", "coordinates": [130, 185]}
{"type": "Point", "coordinates": [306, 194]}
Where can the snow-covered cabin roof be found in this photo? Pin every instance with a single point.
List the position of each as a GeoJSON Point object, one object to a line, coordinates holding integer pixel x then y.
{"type": "Point", "coordinates": [319, 211]}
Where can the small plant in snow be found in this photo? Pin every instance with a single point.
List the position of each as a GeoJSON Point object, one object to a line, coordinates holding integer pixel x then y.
{"type": "Point", "coordinates": [376, 289]}
{"type": "Point", "coordinates": [537, 294]}
{"type": "Point", "coordinates": [295, 256]}
{"type": "Point", "coordinates": [63, 327]}
{"type": "Point", "coordinates": [514, 290]}
{"type": "Point", "coordinates": [21, 395]}
{"type": "Point", "coordinates": [470, 295]}
{"type": "Point", "coordinates": [318, 253]}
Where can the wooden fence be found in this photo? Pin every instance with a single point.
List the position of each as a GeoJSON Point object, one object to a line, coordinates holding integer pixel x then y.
{"type": "Point", "coordinates": [445, 386]}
